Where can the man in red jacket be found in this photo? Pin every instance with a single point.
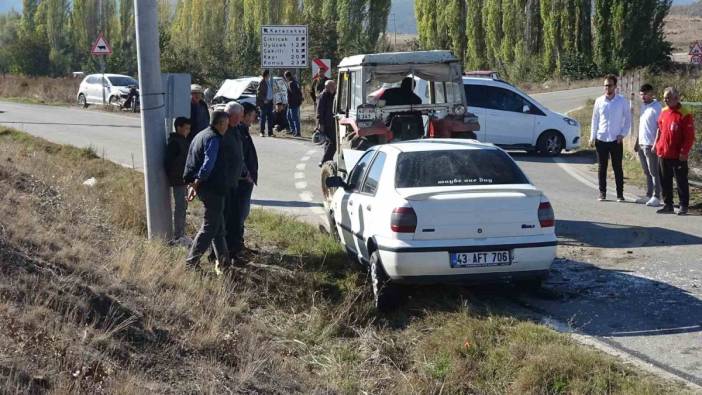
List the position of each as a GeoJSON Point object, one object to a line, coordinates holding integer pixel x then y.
{"type": "Point", "coordinates": [675, 138]}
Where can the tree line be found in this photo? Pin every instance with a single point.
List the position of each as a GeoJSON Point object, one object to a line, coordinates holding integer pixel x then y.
{"type": "Point", "coordinates": [210, 39]}
{"type": "Point", "coordinates": [542, 38]}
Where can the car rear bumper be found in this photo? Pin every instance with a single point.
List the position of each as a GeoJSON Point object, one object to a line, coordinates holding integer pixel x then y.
{"type": "Point", "coordinates": [421, 263]}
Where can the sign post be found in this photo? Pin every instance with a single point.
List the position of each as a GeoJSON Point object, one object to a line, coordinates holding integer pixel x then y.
{"type": "Point", "coordinates": [321, 64]}
{"type": "Point", "coordinates": [284, 47]}
{"type": "Point", "coordinates": [101, 48]}
{"type": "Point", "coordinates": [696, 53]}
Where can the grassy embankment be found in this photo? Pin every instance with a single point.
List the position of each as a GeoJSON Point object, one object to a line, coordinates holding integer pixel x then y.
{"type": "Point", "coordinates": [88, 305]}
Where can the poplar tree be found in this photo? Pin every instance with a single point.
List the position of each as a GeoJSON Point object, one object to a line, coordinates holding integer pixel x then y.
{"type": "Point", "coordinates": [475, 57]}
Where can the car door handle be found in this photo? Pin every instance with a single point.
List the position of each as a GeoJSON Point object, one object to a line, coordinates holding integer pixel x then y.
{"type": "Point", "coordinates": [368, 207]}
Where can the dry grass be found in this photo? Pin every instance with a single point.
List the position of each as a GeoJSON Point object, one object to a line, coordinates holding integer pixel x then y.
{"type": "Point", "coordinates": [88, 306]}
{"type": "Point", "coordinates": [40, 90]}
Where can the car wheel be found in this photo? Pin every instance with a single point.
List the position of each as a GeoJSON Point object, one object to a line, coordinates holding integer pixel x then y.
{"type": "Point", "coordinates": [465, 135]}
{"type": "Point", "coordinates": [329, 169]}
{"type": "Point", "coordinates": [82, 102]}
{"type": "Point", "coordinates": [386, 295]}
{"type": "Point", "coordinates": [550, 143]}
{"type": "Point", "coordinates": [113, 101]}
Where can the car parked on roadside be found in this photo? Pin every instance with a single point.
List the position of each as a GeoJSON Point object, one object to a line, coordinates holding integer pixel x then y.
{"type": "Point", "coordinates": [512, 119]}
{"type": "Point", "coordinates": [441, 210]}
{"type": "Point", "coordinates": [115, 88]}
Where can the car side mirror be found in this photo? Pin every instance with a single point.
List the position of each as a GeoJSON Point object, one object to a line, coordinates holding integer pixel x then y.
{"type": "Point", "coordinates": [335, 182]}
{"type": "Point", "coordinates": [526, 108]}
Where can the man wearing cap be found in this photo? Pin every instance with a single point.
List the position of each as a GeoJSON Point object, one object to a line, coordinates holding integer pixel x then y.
{"type": "Point", "coordinates": [199, 114]}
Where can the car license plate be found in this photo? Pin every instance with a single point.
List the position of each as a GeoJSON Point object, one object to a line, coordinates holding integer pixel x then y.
{"type": "Point", "coordinates": [481, 259]}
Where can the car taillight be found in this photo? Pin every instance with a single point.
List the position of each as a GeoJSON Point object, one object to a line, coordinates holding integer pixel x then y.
{"type": "Point", "coordinates": [546, 216]}
{"type": "Point", "coordinates": [404, 220]}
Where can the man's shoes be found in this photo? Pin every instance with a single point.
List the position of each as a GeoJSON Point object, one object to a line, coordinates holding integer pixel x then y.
{"type": "Point", "coordinates": [653, 202]}
{"type": "Point", "coordinates": [602, 197]}
{"type": "Point", "coordinates": [666, 210]}
{"type": "Point", "coordinates": [319, 164]}
{"type": "Point", "coordinates": [263, 135]}
{"type": "Point", "coordinates": [621, 199]}
{"type": "Point", "coordinates": [184, 241]}
{"type": "Point", "coordinates": [682, 210]}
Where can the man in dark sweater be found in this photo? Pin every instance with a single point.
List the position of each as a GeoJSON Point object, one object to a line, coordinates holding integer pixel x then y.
{"type": "Point", "coordinates": [249, 177]}
{"type": "Point", "coordinates": [199, 113]}
{"type": "Point", "coordinates": [176, 155]}
{"type": "Point", "coordinates": [325, 120]}
{"type": "Point", "coordinates": [211, 171]}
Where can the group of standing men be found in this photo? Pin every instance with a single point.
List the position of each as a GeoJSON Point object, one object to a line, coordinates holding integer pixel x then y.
{"type": "Point", "coordinates": [218, 163]}
{"type": "Point", "coordinates": [666, 136]}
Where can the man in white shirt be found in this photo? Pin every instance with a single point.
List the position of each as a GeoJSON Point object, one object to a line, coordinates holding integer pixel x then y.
{"type": "Point", "coordinates": [648, 126]}
{"type": "Point", "coordinates": [611, 120]}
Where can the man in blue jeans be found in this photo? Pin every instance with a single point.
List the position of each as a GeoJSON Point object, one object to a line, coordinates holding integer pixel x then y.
{"type": "Point", "coordinates": [295, 99]}
{"type": "Point", "coordinates": [264, 101]}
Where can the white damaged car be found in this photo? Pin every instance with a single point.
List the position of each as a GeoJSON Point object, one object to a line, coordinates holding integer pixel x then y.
{"type": "Point", "coordinates": [441, 210]}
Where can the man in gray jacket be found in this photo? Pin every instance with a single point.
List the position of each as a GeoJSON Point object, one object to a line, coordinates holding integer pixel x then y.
{"type": "Point", "coordinates": [211, 170]}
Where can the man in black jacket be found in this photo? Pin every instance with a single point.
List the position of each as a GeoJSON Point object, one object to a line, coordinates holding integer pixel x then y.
{"type": "Point", "coordinates": [235, 144]}
{"type": "Point", "coordinates": [325, 120]}
{"type": "Point", "coordinates": [199, 113]}
{"type": "Point", "coordinates": [176, 155]}
{"type": "Point", "coordinates": [211, 170]}
{"type": "Point", "coordinates": [294, 102]}
{"type": "Point", "coordinates": [249, 176]}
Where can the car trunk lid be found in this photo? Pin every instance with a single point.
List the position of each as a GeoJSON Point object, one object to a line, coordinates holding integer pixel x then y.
{"type": "Point", "coordinates": [459, 212]}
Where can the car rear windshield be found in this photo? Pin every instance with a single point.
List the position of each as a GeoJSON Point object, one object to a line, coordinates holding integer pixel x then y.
{"type": "Point", "coordinates": [456, 167]}
{"type": "Point", "coordinates": [122, 81]}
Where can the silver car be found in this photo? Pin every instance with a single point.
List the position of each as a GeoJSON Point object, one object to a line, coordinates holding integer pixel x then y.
{"type": "Point", "coordinates": [114, 86]}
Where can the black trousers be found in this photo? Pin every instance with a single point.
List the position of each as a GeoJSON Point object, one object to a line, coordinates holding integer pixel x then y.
{"type": "Point", "coordinates": [212, 230]}
{"type": "Point", "coordinates": [674, 168]}
{"type": "Point", "coordinates": [330, 145]}
{"type": "Point", "coordinates": [605, 151]}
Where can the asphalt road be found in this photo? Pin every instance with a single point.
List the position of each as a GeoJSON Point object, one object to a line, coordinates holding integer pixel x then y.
{"type": "Point", "coordinates": [625, 276]}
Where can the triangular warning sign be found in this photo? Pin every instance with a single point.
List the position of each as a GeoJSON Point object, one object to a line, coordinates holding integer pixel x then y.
{"type": "Point", "coordinates": [101, 46]}
{"type": "Point", "coordinates": [696, 49]}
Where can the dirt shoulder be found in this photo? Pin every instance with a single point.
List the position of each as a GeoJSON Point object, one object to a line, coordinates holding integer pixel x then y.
{"type": "Point", "coordinates": [88, 305]}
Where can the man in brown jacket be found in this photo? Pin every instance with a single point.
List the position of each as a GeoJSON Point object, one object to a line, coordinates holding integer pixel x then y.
{"type": "Point", "coordinates": [264, 101]}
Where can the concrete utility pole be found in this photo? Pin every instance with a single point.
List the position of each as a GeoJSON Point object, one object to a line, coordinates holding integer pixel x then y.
{"type": "Point", "coordinates": [158, 202]}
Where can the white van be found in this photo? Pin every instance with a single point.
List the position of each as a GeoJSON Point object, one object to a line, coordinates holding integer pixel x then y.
{"type": "Point", "coordinates": [511, 119]}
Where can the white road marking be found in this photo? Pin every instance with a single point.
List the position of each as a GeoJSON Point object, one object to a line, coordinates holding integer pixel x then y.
{"type": "Point", "coordinates": [301, 185]}
{"type": "Point", "coordinates": [301, 166]}
{"type": "Point", "coordinates": [305, 158]}
{"type": "Point", "coordinates": [312, 152]}
{"type": "Point", "coordinates": [299, 175]}
{"type": "Point", "coordinates": [306, 196]}
{"type": "Point", "coordinates": [575, 174]}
